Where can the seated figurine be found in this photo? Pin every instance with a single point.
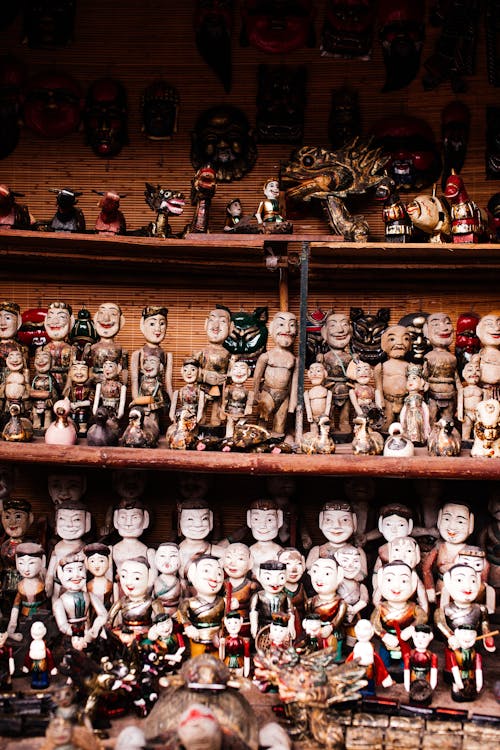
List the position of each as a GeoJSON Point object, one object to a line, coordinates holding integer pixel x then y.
{"type": "Point", "coordinates": [136, 607]}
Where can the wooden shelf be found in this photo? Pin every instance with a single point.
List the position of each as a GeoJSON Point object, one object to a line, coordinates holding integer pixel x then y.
{"type": "Point", "coordinates": [342, 463]}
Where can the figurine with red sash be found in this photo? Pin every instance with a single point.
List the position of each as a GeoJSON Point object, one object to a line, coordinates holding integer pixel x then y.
{"type": "Point", "coordinates": [420, 667]}
{"type": "Point", "coordinates": [234, 649]}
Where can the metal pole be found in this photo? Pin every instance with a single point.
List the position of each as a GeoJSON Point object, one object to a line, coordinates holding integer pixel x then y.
{"type": "Point", "coordinates": [304, 292]}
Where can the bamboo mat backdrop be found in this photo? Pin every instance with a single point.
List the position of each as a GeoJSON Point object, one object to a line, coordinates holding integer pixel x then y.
{"type": "Point", "coordinates": [138, 43]}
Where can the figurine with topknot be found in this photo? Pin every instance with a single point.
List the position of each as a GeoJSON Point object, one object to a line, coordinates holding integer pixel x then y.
{"type": "Point", "coordinates": [466, 219]}
{"type": "Point", "coordinates": [269, 218]}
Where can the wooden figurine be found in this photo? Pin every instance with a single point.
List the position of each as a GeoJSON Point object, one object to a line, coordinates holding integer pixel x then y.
{"type": "Point", "coordinates": [15, 389]}
{"type": "Point", "coordinates": [13, 215]}
{"type": "Point", "coordinates": [203, 187]}
{"type": "Point", "coordinates": [31, 599]}
{"type": "Point", "coordinates": [10, 323]}
{"type": "Point", "coordinates": [108, 322]}
{"type": "Point", "coordinates": [406, 549]}
{"type": "Point", "coordinates": [154, 328]}
{"type": "Point", "coordinates": [98, 562]}
{"type": "Point", "coordinates": [131, 519]}
{"type": "Point", "coordinates": [214, 361]}
{"type": "Point", "coordinates": [268, 213]}
{"type": "Point", "coordinates": [352, 589]}
{"type": "Point", "coordinates": [444, 439]}
{"type": "Point", "coordinates": [466, 219]}
{"type": "Point", "coordinates": [39, 662]}
{"type": "Point", "coordinates": [476, 558]}
{"type": "Point", "coordinates": [487, 429]}
{"type": "Point", "coordinates": [398, 226]}
{"type": "Point", "coordinates": [273, 646]}
{"type": "Point", "coordinates": [62, 734]}
{"type": "Point", "coordinates": [396, 615]}
{"type": "Point", "coordinates": [429, 215]}
{"type": "Point", "coordinates": [234, 215]}
{"type": "Point", "coordinates": [440, 368]}
{"type": "Point", "coordinates": [62, 430]}
{"type": "Point", "coordinates": [414, 416]}
{"type": "Point", "coordinates": [366, 441]}
{"type": "Point", "coordinates": [164, 203]}
{"type": "Point", "coordinates": [16, 518]}
{"type": "Point", "coordinates": [79, 614]}
{"type": "Point", "coordinates": [138, 434]}
{"type": "Point", "coordinates": [67, 218]}
{"type": "Point", "coordinates": [190, 396]}
{"type": "Point", "coordinates": [18, 429]}
{"type": "Point", "coordinates": [104, 430]}
{"type": "Point", "coordinates": [294, 583]}
{"type": "Point", "coordinates": [364, 652]}
{"type": "Point", "coordinates": [164, 648]}
{"type": "Point", "coordinates": [202, 614]}
{"type": "Point", "coordinates": [390, 376]}
{"type": "Point", "coordinates": [326, 576]}
{"type": "Point", "coordinates": [167, 584]}
{"type": "Point", "coordinates": [318, 398]}
{"type": "Point", "coordinates": [320, 441]}
{"type": "Point", "coordinates": [264, 520]}
{"type": "Point", "coordinates": [466, 666]}
{"type": "Point", "coordinates": [132, 612]}
{"type": "Point", "coordinates": [420, 667]}
{"type": "Point", "coordinates": [239, 588]}
{"type": "Point", "coordinates": [43, 392]}
{"type": "Point", "coordinates": [488, 332]}
{"type": "Point", "coordinates": [455, 524]}
{"type": "Point", "coordinates": [338, 523]}
{"type": "Point", "coordinates": [237, 401]}
{"type": "Point", "coordinates": [234, 649]}
{"type": "Point", "coordinates": [195, 523]}
{"type": "Point", "coordinates": [271, 598]}
{"type": "Point", "coordinates": [363, 396]}
{"type": "Point", "coordinates": [79, 390]}
{"type": "Point", "coordinates": [73, 522]}
{"type": "Point", "coordinates": [110, 220]}
{"type": "Point", "coordinates": [336, 332]}
{"type": "Point", "coordinates": [469, 396]}
{"type": "Point", "coordinates": [110, 390]}
{"type": "Point", "coordinates": [276, 375]}
{"type": "Point", "coordinates": [58, 323]}
{"type": "Point", "coordinates": [397, 444]}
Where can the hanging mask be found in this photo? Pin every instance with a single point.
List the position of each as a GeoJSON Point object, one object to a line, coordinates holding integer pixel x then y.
{"type": "Point", "coordinates": [223, 139]}
{"type": "Point", "coordinates": [367, 330]}
{"type": "Point", "coordinates": [248, 337]}
{"type": "Point", "coordinates": [48, 23]}
{"type": "Point", "coordinates": [277, 26]}
{"type": "Point", "coordinates": [344, 122]}
{"type": "Point", "coordinates": [281, 102]}
{"type": "Point", "coordinates": [213, 21]}
{"type": "Point", "coordinates": [401, 33]}
{"type": "Point", "coordinates": [414, 157]}
{"type": "Point", "coordinates": [52, 105]}
{"type": "Point", "coordinates": [348, 29]}
{"type": "Point", "coordinates": [11, 80]}
{"type": "Point", "coordinates": [105, 117]}
{"type": "Point", "coordinates": [160, 105]}
{"type": "Point", "coordinates": [455, 122]}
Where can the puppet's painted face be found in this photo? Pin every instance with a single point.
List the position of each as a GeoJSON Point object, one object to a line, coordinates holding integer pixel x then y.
{"type": "Point", "coordinates": [53, 104]}
{"type": "Point", "coordinates": [223, 139]}
{"type": "Point", "coordinates": [160, 104]}
{"type": "Point", "coordinates": [105, 117]}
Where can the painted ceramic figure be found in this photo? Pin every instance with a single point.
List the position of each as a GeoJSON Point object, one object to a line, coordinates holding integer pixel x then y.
{"type": "Point", "coordinates": [487, 429]}
{"type": "Point", "coordinates": [396, 615]}
{"type": "Point", "coordinates": [420, 667]}
{"type": "Point", "coordinates": [153, 327]}
{"type": "Point", "coordinates": [440, 368]}
{"type": "Point", "coordinates": [202, 614]}
{"type": "Point", "coordinates": [110, 391]}
{"type": "Point", "coordinates": [488, 332]}
{"type": "Point", "coordinates": [234, 649]}
{"type": "Point", "coordinates": [58, 323]}
{"type": "Point", "coordinates": [271, 598]}
{"type": "Point", "coordinates": [390, 376]}
{"type": "Point", "coordinates": [466, 666]}
{"type": "Point", "coordinates": [190, 396]}
{"type": "Point", "coordinates": [134, 610]}
{"type": "Point", "coordinates": [264, 520]}
{"type": "Point", "coordinates": [108, 322]}
{"type": "Point", "coordinates": [62, 430]}
{"type": "Point", "coordinates": [336, 332]}
{"type": "Point", "coordinates": [97, 562]}
{"type": "Point", "coordinates": [276, 374]}
{"type": "Point", "coordinates": [43, 392]}
{"type": "Point", "coordinates": [364, 652]}
{"type": "Point", "coordinates": [469, 396]}
{"type": "Point", "coordinates": [239, 588]}
{"type": "Point", "coordinates": [214, 361]}
{"type": "Point", "coordinates": [326, 576]}
{"type": "Point", "coordinates": [268, 213]}
{"type": "Point", "coordinates": [237, 401]}
{"type": "Point", "coordinates": [455, 524]}
{"type": "Point", "coordinates": [80, 391]}
{"type": "Point", "coordinates": [39, 662]}
{"type": "Point", "coordinates": [167, 584]}
{"type": "Point", "coordinates": [72, 521]}
{"type": "Point", "coordinates": [79, 614]}
{"type": "Point", "coordinates": [414, 416]}
{"type": "Point", "coordinates": [338, 523]}
{"type": "Point", "coordinates": [318, 398]}
{"type": "Point", "coordinates": [130, 520]}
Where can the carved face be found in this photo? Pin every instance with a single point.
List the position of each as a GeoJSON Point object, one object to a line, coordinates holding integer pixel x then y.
{"type": "Point", "coordinates": [240, 372]}
{"type": "Point", "coordinates": [349, 559]}
{"type": "Point", "coordinates": [29, 566]}
{"type": "Point", "coordinates": [15, 361]}
{"type": "Point", "coordinates": [236, 560]}
{"type": "Point", "coordinates": [223, 139]}
{"type": "Point", "coordinates": [110, 369]}
{"type": "Point", "coordinates": [154, 328]}
{"type": "Point", "coordinates": [189, 373]}
{"type": "Point", "coordinates": [217, 326]}
{"type": "Point", "coordinates": [471, 373]}
{"type": "Point", "coordinates": [317, 373]}
{"type": "Point", "coordinates": [105, 117]}
{"type": "Point", "coordinates": [439, 329]}
{"type": "Point", "coordinates": [348, 28]}
{"type": "Point", "coordinates": [396, 342]}
{"type": "Point", "coordinates": [264, 524]}
{"type": "Point", "coordinates": [167, 559]}
{"type": "Point", "coordinates": [159, 111]}
{"type": "Point", "coordinates": [396, 583]}
{"type": "Point", "coordinates": [72, 524]}
{"type": "Point", "coordinates": [337, 525]}
{"type": "Point", "coordinates": [207, 576]}
{"type": "Point", "coordinates": [455, 523]}
{"type": "Point", "coordinates": [488, 329]}
{"type": "Point", "coordinates": [393, 526]}
{"type": "Point", "coordinates": [463, 584]}
{"type": "Point", "coordinates": [134, 577]}
{"type": "Point", "coordinates": [283, 329]}
{"type": "Point", "coordinates": [325, 576]}
{"type": "Point", "coordinates": [248, 332]}
{"type": "Point", "coordinates": [466, 637]}
{"type": "Point", "coordinates": [295, 565]}
{"type": "Point", "coordinates": [15, 522]}
{"type": "Point", "coordinates": [421, 639]}
{"type": "Point", "coordinates": [233, 625]}
{"type": "Point", "coordinates": [367, 329]}
{"type": "Point", "coordinates": [53, 105]}
{"type": "Point", "coordinates": [196, 523]}
{"type": "Point", "coordinates": [130, 522]}
{"type": "Point", "coordinates": [272, 581]}
{"type": "Point", "coordinates": [79, 373]}
{"type": "Point", "coordinates": [64, 487]}
{"type": "Point", "coordinates": [73, 575]}
{"type": "Point", "coordinates": [415, 322]}
{"type": "Point", "coordinates": [32, 332]}
{"type": "Point", "coordinates": [108, 320]}
{"type": "Point", "coordinates": [58, 323]}
{"type": "Point", "coordinates": [97, 564]}
{"type": "Point", "coordinates": [337, 331]}
{"type": "Point", "coordinates": [404, 548]}
{"type": "Point", "coordinates": [150, 366]}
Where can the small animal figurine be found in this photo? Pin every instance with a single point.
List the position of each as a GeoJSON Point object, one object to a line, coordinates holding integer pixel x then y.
{"type": "Point", "coordinates": [105, 429]}
{"type": "Point", "coordinates": [487, 429]}
{"type": "Point", "coordinates": [136, 435]}
{"type": "Point", "coordinates": [466, 666]}
{"type": "Point", "coordinates": [397, 444]}
{"type": "Point", "coordinates": [366, 441]}
{"type": "Point", "coordinates": [269, 218]}
{"type": "Point", "coordinates": [68, 218]}
{"type": "Point", "coordinates": [165, 203]}
{"type": "Point", "coordinates": [429, 215]}
{"type": "Point", "coordinates": [466, 219]}
{"type": "Point", "coordinates": [39, 663]}
{"type": "Point", "coordinates": [18, 429]}
{"type": "Point", "coordinates": [62, 430]}
{"type": "Point", "coordinates": [13, 215]}
{"type": "Point", "coordinates": [420, 673]}
{"type": "Point", "coordinates": [444, 439]}
{"type": "Point", "coordinates": [318, 398]}
{"type": "Point", "coordinates": [313, 443]}
{"type": "Point", "coordinates": [110, 220]}
{"type": "Point", "coordinates": [364, 652]}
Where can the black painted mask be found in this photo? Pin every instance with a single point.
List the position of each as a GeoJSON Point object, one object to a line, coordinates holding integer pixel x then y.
{"type": "Point", "coordinates": [105, 117]}
{"type": "Point", "coordinates": [223, 139]}
{"type": "Point", "coordinates": [160, 103]}
{"type": "Point", "coordinates": [367, 330]}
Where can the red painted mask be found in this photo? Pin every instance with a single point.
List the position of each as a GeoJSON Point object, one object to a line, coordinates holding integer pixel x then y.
{"type": "Point", "coordinates": [32, 332]}
{"type": "Point", "coordinates": [348, 29]}
{"type": "Point", "coordinates": [105, 117]}
{"type": "Point", "coordinates": [52, 104]}
{"type": "Point", "coordinates": [401, 33]}
{"type": "Point", "coordinates": [277, 26]}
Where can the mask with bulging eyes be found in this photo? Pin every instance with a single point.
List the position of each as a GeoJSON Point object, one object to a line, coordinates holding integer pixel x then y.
{"type": "Point", "coordinates": [367, 330]}
{"type": "Point", "coordinates": [105, 117]}
{"type": "Point", "coordinates": [223, 139]}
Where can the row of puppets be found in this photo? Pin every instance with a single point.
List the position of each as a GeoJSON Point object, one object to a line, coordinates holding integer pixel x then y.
{"type": "Point", "coordinates": [404, 380]}
{"type": "Point", "coordinates": [372, 599]}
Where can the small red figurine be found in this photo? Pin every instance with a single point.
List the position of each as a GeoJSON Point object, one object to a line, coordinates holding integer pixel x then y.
{"type": "Point", "coordinates": [466, 220]}
{"type": "Point", "coordinates": [110, 220]}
